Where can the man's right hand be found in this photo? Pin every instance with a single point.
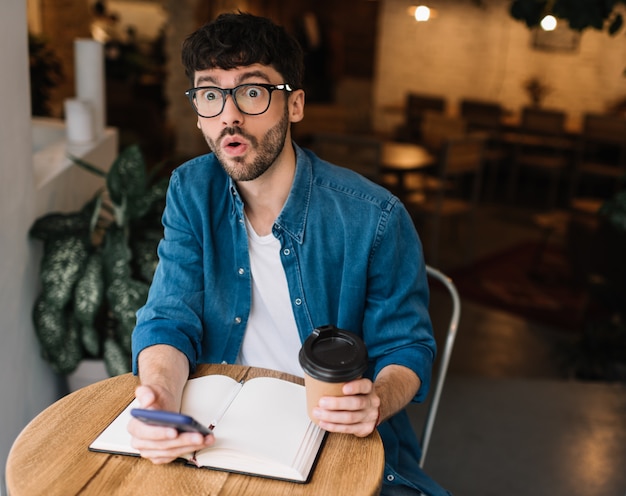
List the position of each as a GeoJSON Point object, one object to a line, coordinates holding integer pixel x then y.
{"type": "Point", "coordinates": [163, 371]}
{"type": "Point", "coordinates": [162, 444]}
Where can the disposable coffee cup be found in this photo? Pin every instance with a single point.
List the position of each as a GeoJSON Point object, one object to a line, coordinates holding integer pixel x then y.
{"type": "Point", "coordinates": [330, 357]}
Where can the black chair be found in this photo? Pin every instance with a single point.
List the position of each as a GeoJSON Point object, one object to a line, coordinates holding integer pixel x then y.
{"type": "Point", "coordinates": [484, 116]}
{"type": "Point", "coordinates": [416, 106]}
{"type": "Point", "coordinates": [600, 160]}
{"type": "Point", "coordinates": [481, 115]}
{"type": "Point", "coordinates": [542, 147]}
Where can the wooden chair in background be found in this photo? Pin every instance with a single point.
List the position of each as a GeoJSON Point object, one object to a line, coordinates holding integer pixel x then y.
{"type": "Point", "coordinates": [600, 161]}
{"type": "Point", "coordinates": [484, 116]}
{"type": "Point", "coordinates": [541, 146]}
{"type": "Point", "coordinates": [416, 106]}
{"type": "Point", "coordinates": [456, 198]}
{"type": "Point", "coordinates": [437, 129]}
{"type": "Point", "coordinates": [481, 115]}
{"type": "Point", "coordinates": [543, 121]}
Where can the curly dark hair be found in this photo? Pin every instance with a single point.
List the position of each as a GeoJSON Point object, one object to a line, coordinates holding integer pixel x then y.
{"type": "Point", "coordinates": [242, 39]}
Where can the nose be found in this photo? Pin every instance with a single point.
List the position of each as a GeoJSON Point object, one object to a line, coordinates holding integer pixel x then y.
{"type": "Point", "coordinates": [230, 113]}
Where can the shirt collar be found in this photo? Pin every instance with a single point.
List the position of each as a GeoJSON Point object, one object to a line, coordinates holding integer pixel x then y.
{"type": "Point", "coordinates": [293, 216]}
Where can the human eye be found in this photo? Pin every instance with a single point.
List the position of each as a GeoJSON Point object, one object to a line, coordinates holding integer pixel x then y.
{"type": "Point", "coordinates": [252, 92]}
{"type": "Point", "coordinates": [209, 94]}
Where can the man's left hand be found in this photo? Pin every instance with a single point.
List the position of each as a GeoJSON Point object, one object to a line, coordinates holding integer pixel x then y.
{"type": "Point", "coordinates": [355, 413]}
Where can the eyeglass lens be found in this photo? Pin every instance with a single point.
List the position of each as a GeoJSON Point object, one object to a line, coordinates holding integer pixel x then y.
{"type": "Point", "coordinates": [249, 98]}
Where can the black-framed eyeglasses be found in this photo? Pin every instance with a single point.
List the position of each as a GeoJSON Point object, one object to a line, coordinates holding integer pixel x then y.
{"type": "Point", "coordinates": [250, 98]}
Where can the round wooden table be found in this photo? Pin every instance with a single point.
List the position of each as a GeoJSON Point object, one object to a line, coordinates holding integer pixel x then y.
{"type": "Point", "coordinates": [50, 455]}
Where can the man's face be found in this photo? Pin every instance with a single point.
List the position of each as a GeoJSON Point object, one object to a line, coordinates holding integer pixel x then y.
{"type": "Point", "coordinates": [248, 145]}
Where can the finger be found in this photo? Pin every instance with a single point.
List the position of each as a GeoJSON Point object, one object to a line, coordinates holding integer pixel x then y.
{"type": "Point", "coordinates": [359, 386]}
{"type": "Point", "coordinates": [360, 429]}
{"type": "Point", "coordinates": [160, 456]}
{"type": "Point", "coordinates": [141, 430]}
{"type": "Point", "coordinates": [146, 396]}
{"type": "Point", "coordinates": [181, 444]}
{"type": "Point", "coordinates": [354, 402]}
{"type": "Point", "coordinates": [339, 417]}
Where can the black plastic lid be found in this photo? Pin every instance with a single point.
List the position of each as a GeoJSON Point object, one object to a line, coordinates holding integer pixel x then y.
{"type": "Point", "coordinates": [331, 354]}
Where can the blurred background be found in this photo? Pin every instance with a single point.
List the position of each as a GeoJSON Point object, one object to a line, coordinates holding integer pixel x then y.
{"type": "Point", "coordinates": [363, 59]}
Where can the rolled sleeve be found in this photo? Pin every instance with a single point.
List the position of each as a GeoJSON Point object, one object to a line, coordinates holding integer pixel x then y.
{"type": "Point", "coordinates": [398, 329]}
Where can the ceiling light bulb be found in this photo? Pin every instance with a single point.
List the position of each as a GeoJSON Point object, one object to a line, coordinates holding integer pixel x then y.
{"type": "Point", "coordinates": [548, 23]}
{"type": "Point", "coordinates": [422, 13]}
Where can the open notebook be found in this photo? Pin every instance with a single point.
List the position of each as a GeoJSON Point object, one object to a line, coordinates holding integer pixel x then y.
{"type": "Point", "coordinates": [261, 427]}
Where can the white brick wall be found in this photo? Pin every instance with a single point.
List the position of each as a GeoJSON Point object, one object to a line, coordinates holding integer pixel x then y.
{"type": "Point", "coordinates": [469, 51]}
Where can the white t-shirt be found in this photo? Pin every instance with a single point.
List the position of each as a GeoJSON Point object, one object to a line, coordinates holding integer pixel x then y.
{"type": "Point", "coordinates": [271, 339]}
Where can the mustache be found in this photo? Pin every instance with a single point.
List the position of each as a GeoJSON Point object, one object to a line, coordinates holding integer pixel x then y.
{"type": "Point", "coordinates": [230, 131]}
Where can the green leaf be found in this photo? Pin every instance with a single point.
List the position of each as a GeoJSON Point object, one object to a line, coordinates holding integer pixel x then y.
{"type": "Point", "coordinates": [116, 255]}
{"type": "Point", "coordinates": [145, 257]}
{"type": "Point", "coordinates": [56, 225]}
{"type": "Point", "coordinates": [61, 267]}
{"type": "Point", "coordinates": [125, 297]}
{"type": "Point", "coordinates": [87, 166]}
{"type": "Point", "coordinates": [50, 322]}
{"type": "Point", "coordinates": [88, 298]}
{"type": "Point", "coordinates": [139, 206]}
{"type": "Point", "coordinates": [95, 213]}
{"type": "Point", "coordinates": [67, 358]}
{"type": "Point", "coordinates": [91, 340]}
{"type": "Point", "coordinates": [116, 361]}
{"type": "Point", "coordinates": [58, 335]}
{"type": "Point", "coordinates": [127, 177]}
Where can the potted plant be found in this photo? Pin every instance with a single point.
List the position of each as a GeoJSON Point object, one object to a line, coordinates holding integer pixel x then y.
{"type": "Point", "coordinates": [97, 265]}
{"type": "Point", "coordinates": [537, 90]}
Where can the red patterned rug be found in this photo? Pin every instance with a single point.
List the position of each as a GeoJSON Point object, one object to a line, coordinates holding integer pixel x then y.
{"type": "Point", "coordinates": [518, 281]}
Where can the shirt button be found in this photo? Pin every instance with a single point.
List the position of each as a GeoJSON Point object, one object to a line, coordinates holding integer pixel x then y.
{"type": "Point", "coordinates": [237, 320]}
{"type": "Point", "coordinates": [286, 251]}
{"type": "Point", "coordinates": [390, 477]}
{"type": "Point", "coordinates": [298, 301]}
{"type": "Point", "coordinates": [241, 271]}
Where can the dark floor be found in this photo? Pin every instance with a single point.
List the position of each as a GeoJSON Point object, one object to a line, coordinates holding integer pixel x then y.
{"type": "Point", "coordinates": [512, 421]}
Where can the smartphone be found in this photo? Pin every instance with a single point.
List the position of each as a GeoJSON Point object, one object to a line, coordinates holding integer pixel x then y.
{"type": "Point", "coordinates": [180, 422]}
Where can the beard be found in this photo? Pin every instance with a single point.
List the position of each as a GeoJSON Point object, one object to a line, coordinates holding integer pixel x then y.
{"type": "Point", "coordinates": [268, 148]}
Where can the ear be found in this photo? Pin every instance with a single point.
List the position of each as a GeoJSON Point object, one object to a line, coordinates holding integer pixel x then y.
{"type": "Point", "coordinates": [198, 124]}
{"type": "Point", "coordinates": [296, 106]}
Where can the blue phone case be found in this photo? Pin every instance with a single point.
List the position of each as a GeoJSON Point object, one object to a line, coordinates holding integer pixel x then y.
{"type": "Point", "coordinates": [180, 422]}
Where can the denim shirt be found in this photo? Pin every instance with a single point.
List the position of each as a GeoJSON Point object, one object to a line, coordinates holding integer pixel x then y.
{"type": "Point", "coordinates": [351, 256]}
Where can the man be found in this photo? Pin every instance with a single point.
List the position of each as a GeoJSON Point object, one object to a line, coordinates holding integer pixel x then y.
{"type": "Point", "coordinates": [264, 242]}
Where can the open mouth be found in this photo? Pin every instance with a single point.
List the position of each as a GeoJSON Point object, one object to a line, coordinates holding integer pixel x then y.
{"type": "Point", "coordinates": [234, 146]}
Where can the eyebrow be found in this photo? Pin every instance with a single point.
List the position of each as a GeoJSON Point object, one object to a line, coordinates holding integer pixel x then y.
{"type": "Point", "coordinates": [239, 80]}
